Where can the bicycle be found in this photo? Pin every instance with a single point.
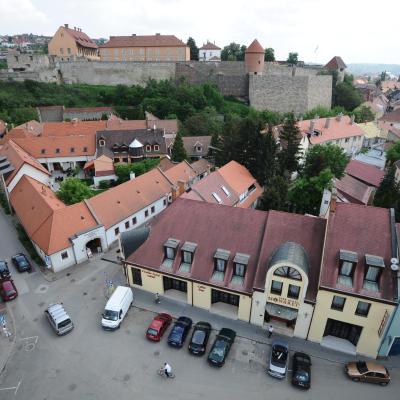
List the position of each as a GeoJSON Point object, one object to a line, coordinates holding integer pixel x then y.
{"type": "Point", "coordinates": [161, 372]}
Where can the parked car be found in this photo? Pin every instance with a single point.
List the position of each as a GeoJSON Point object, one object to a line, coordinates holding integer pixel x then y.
{"type": "Point", "coordinates": [199, 339]}
{"type": "Point", "coordinates": [221, 346]}
{"type": "Point", "coordinates": [4, 271]}
{"type": "Point", "coordinates": [21, 262]}
{"type": "Point", "coordinates": [179, 331]}
{"type": "Point", "coordinates": [116, 308]}
{"type": "Point", "coordinates": [158, 327]}
{"type": "Point", "coordinates": [301, 370]}
{"type": "Point", "coordinates": [8, 291]}
{"type": "Point", "coordinates": [59, 320]}
{"type": "Point", "coordinates": [278, 359]}
{"type": "Point", "coordinates": [367, 371]}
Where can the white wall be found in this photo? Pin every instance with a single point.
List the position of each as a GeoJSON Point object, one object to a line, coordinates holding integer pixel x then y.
{"type": "Point", "coordinates": [140, 218]}
{"type": "Point", "coordinates": [28, 170]}
{"type": "Point", "coordinates": [58, 264]}
{"type": "Point", "coordinates": [205, 55]}
{"type": "Point", "coordinates": [64, 161]}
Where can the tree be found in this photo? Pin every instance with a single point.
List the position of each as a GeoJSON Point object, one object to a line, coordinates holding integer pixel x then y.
{"type": "Point", "coordinates": [363, 114]}
{"type": "Point", "coordinates": [306, 193]}
{"type": "Point", "coordinates": [393, 153]}
{"type": "Point", "coordinates": [289, 136]}
{"type": "Point", "coordinates": [275, 194]}
{"type": "Point", "coordinates": [271, 156]}
{"type": "Point", "coordinates": [293, 58]}
{"type": "Point", "coordinates": [178, 150]}
{"type": "Point", "coordinates": [233, 52]}
{"type": "Point", "coordinates": [203, 123]}
{"type": "Point", "coordinates": [388, 192]}
{"type": "Point", "coordinates": [269, 54]}
{"type": "Point", "coordinates": [320, 157]}
{"type": "Point", "coordinates": [194, 50]}
{"type": "Point", "coordinates": [73, 190]}
{"type": "Point", "coordinates": [347, 96]}
{"type": "Point", "coordinates": [123, 171]}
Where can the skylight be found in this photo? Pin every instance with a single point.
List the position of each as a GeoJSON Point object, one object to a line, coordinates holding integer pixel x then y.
{"type": "Point", "coordinates": [216, 197]}
{"type": "Point", "coordinates": [226, 191]}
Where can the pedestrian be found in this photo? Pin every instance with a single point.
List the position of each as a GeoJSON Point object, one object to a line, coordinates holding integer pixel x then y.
{"type": "Point", "coordinates": [270, 331]}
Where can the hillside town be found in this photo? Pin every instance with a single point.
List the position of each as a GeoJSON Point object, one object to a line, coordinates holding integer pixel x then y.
{"type": "Point", "coordinates": [204, 196]}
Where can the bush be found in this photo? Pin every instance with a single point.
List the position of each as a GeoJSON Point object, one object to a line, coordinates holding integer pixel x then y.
{"type": "Point", "coordinates": [123, 170]}
{"type": "Point", "coordinates": [24, 239]}
{"type": "Point", "coordinates": [105, 184]}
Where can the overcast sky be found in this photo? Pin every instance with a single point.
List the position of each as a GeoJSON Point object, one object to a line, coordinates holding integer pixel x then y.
{"type": "Point", "coordinates": [357, 30]}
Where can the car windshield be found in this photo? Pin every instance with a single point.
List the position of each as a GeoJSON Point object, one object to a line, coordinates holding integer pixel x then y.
{"type": "Point", "coordinates": [218, 350]}
{"type": "Point", "coordinates": [21, 261]}
{"type": "Point", "coordinates": [176, 333]}
{"type": "Point", "coordinates": [198, 337]}
{"type": "Point", "coordinates": [362, 367]}
{"type": "Point", "coordinates": [279, 355]}
{"type": "Point", "coordinates": [64, 323]}
{"type": "Point", "coordinates": [302, 376]}
{"type": "Point", "coordinates": [152, 331]}
{"type": "Point", "coordinates": [10, 292]}
{"type": "Point", "coordinates": [110, 315]}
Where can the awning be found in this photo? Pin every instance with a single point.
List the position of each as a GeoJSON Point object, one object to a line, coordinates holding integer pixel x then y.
{"type": "Point", "coordinates": [276, 310]}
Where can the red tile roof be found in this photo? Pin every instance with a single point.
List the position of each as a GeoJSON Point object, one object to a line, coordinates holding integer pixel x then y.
{"type": "Point", "coordinates": [81, 38]}
{"type": "Point", "coordinates": [365, 173]}
{"type": "Point", "coordinates": [335, 63]}
{"type": "Point", "coordinates": [354, 190]}
{"type": "Point", "coordinates": [364, 230]}
{"type": "Point", "coordinates": [209, 46]}
{"type": "Point", "coordinates": [182, 172]}
{"type": "Point", "coordinates": [255, 47]}
{"type": "Point", "coordinates": [393, 116]}
{"type": "Point", "coordinates": [144, 41]}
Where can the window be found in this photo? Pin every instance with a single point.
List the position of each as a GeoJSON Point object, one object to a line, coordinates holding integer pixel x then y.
{"type": "Point", "coordinates": [363, 308]}
{"type": "Point", "coordinates": [224, 297]}
{"type": "Point", "coordinates": [164, 202]}
{"type": "Point", "coordinates": [216, 197]}
{"type": "Point", "coordinates": [57, 151]}
{"type": "Point", "coordinates": [64, 255]}
{"type": "Point", "coordinates": [153, 209]}
{"type": "Point", "coordinates": [288, 272]}
{"type": "Point", "coordinates": [116, 159]}
{"type": "Point", "coordinates": [199, 149]}
{"type": "Point", "coordinates": [127, 225]}
{"type": "Point", "coordinates": [134, 221]}
{"type": "Point", "coordinates": [226, 191]}
{"type": "Point", "coordinates": [187, 257]}
{"type": "Point", "coordinates": [293, 291]}
{"type": "Point", "coordinates": [219, 265]}
{"type": "Point", "coordinates": [240, 269]}
{"type": "Point", "coordinates": [136, 276]}
{"type": "Point", "coordinates": [116, 231]}
{"type": "Point", "coordinates": [170, 253]}
{"type": "Point", "coordinates": [338, 303]}
{"type": "Point", "coordinates": [276, 287]}
{"type": "Point", "coordinates": [148, 148]}
{"type": "Point", "coordinates": [43, 151]}
{"type": "Point", "coordinates": [175, 284]}
{"type": "Point", "coordinates": [72, 149]}
{"type": "Point", "coordinates": [146, 213]}
{"type": "Point", "coordinates": [61, 50]}
{"type": "Point", "coordinates": [85, 149]}
{"type": "Point", "coordinates": [374, 267]}
{"type": "Point", "coordinates": [156, 147]}
{"type": "Point", "coordinates": [346, 140]}
{"type": "Point", "coordinates": [69, 50]}
{"type": "Point", "coordinates": [102, 142]}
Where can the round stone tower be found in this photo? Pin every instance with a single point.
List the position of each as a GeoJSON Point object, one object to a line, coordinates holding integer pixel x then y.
{"type": "Point", "coordinates": [254, 58]}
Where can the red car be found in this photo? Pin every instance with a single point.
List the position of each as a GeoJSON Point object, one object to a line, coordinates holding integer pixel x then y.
{"type": "Point", "coordinates": [8, 291]}
{"type": "Point", "coordinates": [158, 326]}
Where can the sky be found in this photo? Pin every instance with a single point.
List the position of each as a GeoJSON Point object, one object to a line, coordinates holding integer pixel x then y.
{"type": "Point", "coordinates": [356, 30]}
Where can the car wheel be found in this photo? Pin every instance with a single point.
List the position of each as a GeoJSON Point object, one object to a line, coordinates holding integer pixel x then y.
{"type": "Point", "coordinates": [383, 383]}
{"type": "Point", "coordinates": [356, 379]}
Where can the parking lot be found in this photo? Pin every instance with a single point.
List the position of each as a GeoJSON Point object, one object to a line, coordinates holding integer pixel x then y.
{"type": "Point", "coordinates": [90, 363]}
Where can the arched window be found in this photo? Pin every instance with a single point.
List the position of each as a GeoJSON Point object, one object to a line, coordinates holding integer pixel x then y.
{"type": "Point", "coordinates": [288, 272]}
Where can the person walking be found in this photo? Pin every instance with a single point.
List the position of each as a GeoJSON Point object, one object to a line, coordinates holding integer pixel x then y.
{"type": "Point", "coordinates": [270, 331]}
{"type": "Point", "coordinates": [167, 370]}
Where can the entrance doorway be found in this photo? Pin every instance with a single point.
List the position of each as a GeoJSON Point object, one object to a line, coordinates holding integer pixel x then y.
{"type": "Point", "coordinates": [343, 330]}
{"type": "Point", "coordinates": [175, 288]}
{"type": "Point", "coordinates": [94, 246]}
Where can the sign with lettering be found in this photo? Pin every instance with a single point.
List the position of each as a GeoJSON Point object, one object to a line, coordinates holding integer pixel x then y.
{"type": "Point", "coordinates": [201, 288]}
{"type": "Point", "coordinates": [150, 274]}
{"type": "Point", "coordinates": [383, 323]}
{"type": "Point", "coordinates": [284, 301]}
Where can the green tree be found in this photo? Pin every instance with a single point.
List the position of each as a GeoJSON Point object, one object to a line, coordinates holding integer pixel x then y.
{"type": "Point", "coordinates": [269, 54]}
{"type": "Point", "coordinates": [293, 58]}
{"type": "Point", "coordinates": [178, 150]}
{"type": "Point", "coordinates": [388, 192]}
{"type": "Point", "coordinates": [290, 137]}
{"type": "Point", "coordinates": [327, 156]}
{"type": "Point", "coordinates": [393, 153]}
{"type": "Point", "coordinates": [73, 190]}
{"type": "Point", "coordinates": [123, 171]}
{"type": "Point", "coordinates": [363, 113]}
{"type": "Point", "coordinates": [275, 193]}
{"type": "Point", "coordinates": [233, 52]}
{"type": "Point", "coordinates": [203, 123]}
{"type": "Point", "coordinates": [306, 193]}
{"type": "Point", "coordinates": [346, 95]}
{"type": "Point", "coordinates": [194, 50]}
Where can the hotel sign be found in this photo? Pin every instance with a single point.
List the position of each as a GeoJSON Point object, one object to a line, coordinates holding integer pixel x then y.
{"type": "Point", "coordinates": [283, 301]}
{"type": "Point", "coordinates": [151, 274]}
{"type": "Point", "coordinates": [383, 323]}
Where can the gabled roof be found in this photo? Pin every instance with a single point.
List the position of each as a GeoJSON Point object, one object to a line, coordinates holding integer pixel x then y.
{"type": "Point", "coordinates": [364, 172]}
{"type": "Point", "coordinates": [201, 166]}
{"type": "Point", "coordinates": [144, 41]}
{"type": "Point", "coordinates": [190, 143]}
{"type": "Point", "coordinates": [255, 47]}
{"type": "Point", "coordinates": [182, 172]}
{"type": "Point", "coordinates": [209, 46]}
{"type": "Point", "coordinates": [335, 63]}
{"type": "Point", "coordinates": [354, 190]}
{"type": "Point", "coordinates": [393, 116]}
{"type": "Point", "coordinates": [122, 201]}
{"type": "Point", "coordinates": [81, 38]}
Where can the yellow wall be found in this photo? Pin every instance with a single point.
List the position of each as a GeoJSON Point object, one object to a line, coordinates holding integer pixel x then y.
{"type": "Point", "coordinates": [201, 296]}
{"type": "Point", "coordinates": [369, 341]}
{"type": "Point", "coordinates": [62, 39]}
{"type": "Point", "coordinates": [244, 308]}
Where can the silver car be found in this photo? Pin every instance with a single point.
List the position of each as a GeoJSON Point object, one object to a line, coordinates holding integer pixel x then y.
{"type": "Point", "coordinates": [278, 359]}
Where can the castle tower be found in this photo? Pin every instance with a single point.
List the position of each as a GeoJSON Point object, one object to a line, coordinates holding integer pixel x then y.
{"type": "Point", "coordinates": [254, 58]}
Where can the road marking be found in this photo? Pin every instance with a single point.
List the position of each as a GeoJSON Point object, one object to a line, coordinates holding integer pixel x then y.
{"type": "Point", "coordinates": [13, 387]}
{"type": "Point", "coordinates": [31, 337]}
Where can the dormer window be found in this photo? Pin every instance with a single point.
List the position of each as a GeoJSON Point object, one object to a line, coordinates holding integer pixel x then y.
{"type": "Point", "coordinates": [221, 258]}
{"type": "Point", "coordinates": [57, 151]}
{"type": "Point", "coordinates": [72, 149]}
{"type": "Point", "coordinates": [348, 261]}
{"type": "Point", "coordinates": [187, 250]}
{"type": "Point", "coordinates": [240, 263]}
{"type": "Point", "coordinates": [170, 247]}
{"type": "Point", "coordinates": [374, 266]}
{"type": "Point", "coordinates": [102, 142]}
{"type": "Point", "coordinates": [148, 148]}
{"type": "Point", "coordinates": [156, 147]}
{"type": "Point", "coordinates": [199, 149]}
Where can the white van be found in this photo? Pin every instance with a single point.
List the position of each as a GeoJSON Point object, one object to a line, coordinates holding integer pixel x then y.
{"type": "Point", "coordinates": [116, 308]}
{"type": "Point", "coordinates": [59, 319]}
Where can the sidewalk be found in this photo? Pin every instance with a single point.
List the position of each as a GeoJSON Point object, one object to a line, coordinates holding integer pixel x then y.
{"type": "Point", "coordinates": [145, 300]}
{"type": "Point", "coordinates": [6, 343]}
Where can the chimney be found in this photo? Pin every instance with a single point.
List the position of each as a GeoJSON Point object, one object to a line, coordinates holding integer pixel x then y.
{"type": "Point", "coordinates": [352, 118]}
{"type": "Point", "coordinates": [132, 176]}
{"type": "Point", "coordinates": [327, 122]}
{"type": "Point", "coordinates": [157, 34]}
{"type": "Point", "coordinates": [66, 25]}
{"type": "Point", "coordinates": [74, 28]}
{"type": "Point", "coordinates": [133, 34]}
{"type": "Point", "coordinates": [312, 126]}
{"type": "Point", "coordinates": [339, 117]}
{"type": "Point", "coordinates": [154, 127]}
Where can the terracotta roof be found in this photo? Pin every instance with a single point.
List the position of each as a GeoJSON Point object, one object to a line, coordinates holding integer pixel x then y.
{"type": "Point", "coordinates": [61, 146]}
{"type": "Point", "coordinates": [201, 166]}
{"type": "Point", "coordinates": [337, 129]}
{"type": "Point", "coordinates": [102, 166]}
{"type": "Point", "coordinates": [390, 85]}
{"type": "Point", "coordinates": [191, 142]}
{"type": "Point", "coordinates": [32, 128]}
{"type": "Point", "coordinates": [182, 172]}
{"type": "Point", "coordinates": [307, 231]}
{"type": "Point", "coordinates": [72, 128]}
{"type": "Point", "coordinates": [115, 124]}
{"type": "Point", "coordinates": [165, 164]}
{"type": "Point", "coordinates": [393, 116]}
{"type": "Point", "coordinates": [335, 63]}
{"type": "Point", "coordinates": [118, 203]}
{"type": "Point", "coordinates": [209, 46]}
{"type": "Point", "coordinates": [47, 220]}
{"type": "Point", "coordinates": [364, 230]}
{"type": "Point", "coordinates": [81, 38]}
{"type": "Point", "coordinates": [387, 127]}
{"type": "Point", "coordinates": [144, 41]}
{"type": "Point", "coordinates": [365, 173]}
{"type": "Point", "coordinates": [210, 227]}
{"type": "Point", "coordinates": [354, 190]}
{"type": "Point", "coordinates": [255, 47]}
{"type": "Point", "coordinates": [169, 125]}
{"type": "Point", "coordinates": [18, 157]}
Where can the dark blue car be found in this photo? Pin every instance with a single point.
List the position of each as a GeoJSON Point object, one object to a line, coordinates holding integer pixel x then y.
{"type": "Point", "coordinates": [179, 332]}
